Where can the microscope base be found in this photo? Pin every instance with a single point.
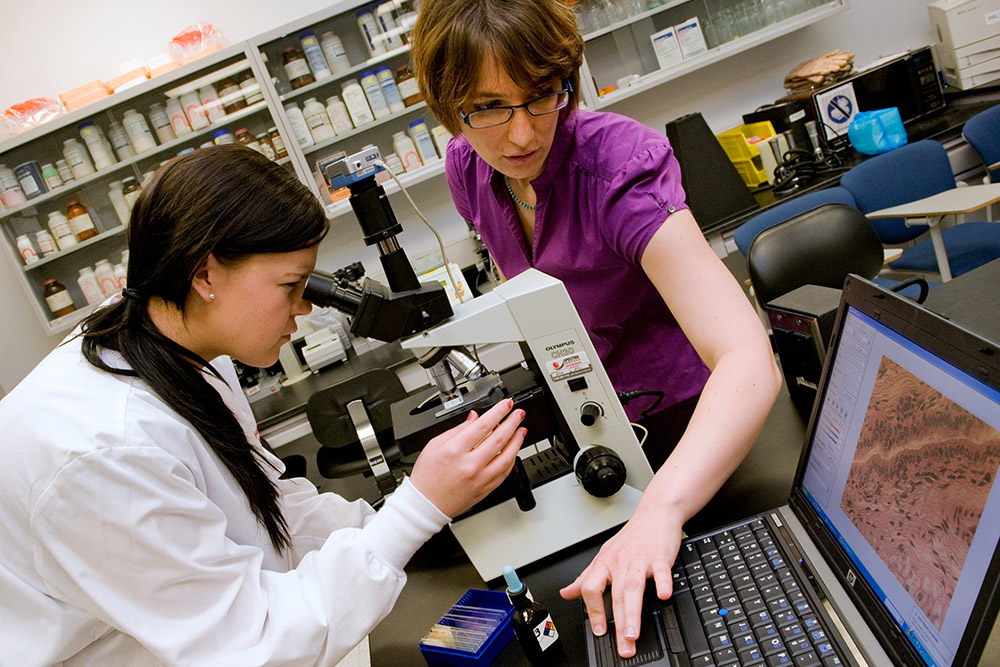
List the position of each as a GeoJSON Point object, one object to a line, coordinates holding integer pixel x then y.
{"type": "Point", "coordinates": [564, 515]}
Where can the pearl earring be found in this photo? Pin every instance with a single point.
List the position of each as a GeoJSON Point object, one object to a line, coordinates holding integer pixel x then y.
{"type": "Point", "coordinates": [211, 297]}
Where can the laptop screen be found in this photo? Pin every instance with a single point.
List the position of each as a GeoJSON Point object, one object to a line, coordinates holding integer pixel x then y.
{"type": "Point", "coordinates": [901, 469]}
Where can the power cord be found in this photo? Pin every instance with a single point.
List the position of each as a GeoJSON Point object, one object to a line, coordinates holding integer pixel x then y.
{"type": "Point", "coordinates": [420, 215]}
{"type": "Point", "coordinates": [798, 166]}
{"type": "Point", "coordinates": [645, 432]}
{"type": "Point", "coordinates": [626, 397]}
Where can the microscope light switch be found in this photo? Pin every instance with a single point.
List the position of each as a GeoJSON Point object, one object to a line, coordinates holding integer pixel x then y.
{"type": "Point", "coordinates": [577, 384]}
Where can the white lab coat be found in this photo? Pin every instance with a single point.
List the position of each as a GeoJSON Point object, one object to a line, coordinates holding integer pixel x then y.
{"type": "Point", "coordinates": [125, 541]}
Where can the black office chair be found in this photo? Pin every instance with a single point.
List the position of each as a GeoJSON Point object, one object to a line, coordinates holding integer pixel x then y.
{"type": "Point", "coordinates": [818, 247]}
{"type": "Point", "coordinates": [353, 422]}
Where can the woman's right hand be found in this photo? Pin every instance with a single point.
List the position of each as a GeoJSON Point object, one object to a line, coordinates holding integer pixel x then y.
{"type": "Point", "coordinates": [461, 466]}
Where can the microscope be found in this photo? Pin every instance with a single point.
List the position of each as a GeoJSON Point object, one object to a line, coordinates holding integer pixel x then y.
{"type": "Point", "coordinates": [581, 470]}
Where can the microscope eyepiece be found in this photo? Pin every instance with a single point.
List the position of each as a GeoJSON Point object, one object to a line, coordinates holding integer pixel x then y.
{"type": "Point", "coordinates": [326, 290]}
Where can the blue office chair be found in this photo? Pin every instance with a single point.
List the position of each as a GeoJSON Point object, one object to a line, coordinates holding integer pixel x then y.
{"type": "Point", "coordinates": [906, 174]}
{"type": "Point", "coordinates": [779, 213]}
{"type": "Point", "coordinates": [982, 131]}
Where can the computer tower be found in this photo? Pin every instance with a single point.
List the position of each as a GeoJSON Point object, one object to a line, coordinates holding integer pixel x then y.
{"type": "Point", "coordinates": [714, 189]}
{"type": "Point", "coordinates": [802, 323]}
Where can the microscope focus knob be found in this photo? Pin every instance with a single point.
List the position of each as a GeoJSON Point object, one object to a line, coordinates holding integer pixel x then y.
{"type": "Point", "coordinates": [600, 471]}
{"type": "Point", "coordinates": [589, 412]}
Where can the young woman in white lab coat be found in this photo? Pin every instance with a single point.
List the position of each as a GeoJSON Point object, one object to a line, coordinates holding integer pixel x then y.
{"type": "Point", "coordinates": [142, 522]}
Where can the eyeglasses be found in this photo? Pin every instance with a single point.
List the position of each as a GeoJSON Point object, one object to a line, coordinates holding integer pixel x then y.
{"type": "Point", "coordinates": [540, 106]}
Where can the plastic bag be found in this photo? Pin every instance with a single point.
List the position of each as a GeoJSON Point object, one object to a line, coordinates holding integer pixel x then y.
{"type": "Point", "coordinates": [195, 38]}
{"type": "Point", "coordinates": [879, 131]}
{"type": "Point", "coordinates": [26, 115]}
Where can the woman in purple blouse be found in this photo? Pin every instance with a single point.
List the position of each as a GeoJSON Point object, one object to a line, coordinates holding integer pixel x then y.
{"type": "Point", "coordinates": [595, 199]}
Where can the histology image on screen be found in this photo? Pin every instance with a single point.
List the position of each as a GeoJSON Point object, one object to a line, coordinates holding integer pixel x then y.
{"type": "Point", "coordinates": [918, 484]}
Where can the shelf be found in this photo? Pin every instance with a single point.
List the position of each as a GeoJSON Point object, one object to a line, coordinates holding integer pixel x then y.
{"type": "Point", "coordinates": [132, 161]}
{"type": "Point", "coordinates": [208, 79]}
{"type": "Point", "coordinates": [116, 231]}
{"type": "Point", "coordinates": [364, 128]}
{"type": "Point", "coordinates": [67, 322]}
{"type": "Point", "coordinates": [617, 25]}
{"type": "Point", "coordinates": [721, 52]}
{"type": "Point", "coordinates": [340, 76]}
{"type": "Point", "coordinates": [409, 179]}
{"type": "Point", "coordinates": [88, 112]}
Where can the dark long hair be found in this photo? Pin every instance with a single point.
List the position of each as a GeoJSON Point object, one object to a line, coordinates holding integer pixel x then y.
{"type": "Point", "coordinates": [232, 202]}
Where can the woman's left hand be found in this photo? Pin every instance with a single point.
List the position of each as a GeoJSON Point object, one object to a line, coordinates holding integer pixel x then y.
{"type": "Point", "coordinates": [645, 547]}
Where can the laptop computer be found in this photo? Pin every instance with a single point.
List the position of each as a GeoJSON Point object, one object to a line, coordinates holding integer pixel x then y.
{"type": "Point", "coordinates": [887, 552]}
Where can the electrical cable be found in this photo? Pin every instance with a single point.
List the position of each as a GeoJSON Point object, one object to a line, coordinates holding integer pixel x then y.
{"type": "Point", "coordinates": [420, 215]}
{"type": "Point", "coordinates": [645, 433]}
{"type": "Point", "coordinates": [627, 396]}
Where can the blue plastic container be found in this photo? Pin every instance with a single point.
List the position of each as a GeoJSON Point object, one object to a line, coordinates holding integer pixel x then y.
{"type": "Point", "coordinates": [491, 648]}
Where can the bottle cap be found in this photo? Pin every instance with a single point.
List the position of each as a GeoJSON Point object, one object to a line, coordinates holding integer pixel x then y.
{"type": "Point", "coordinates": [242, 130]}
{"type": "Point", "coordinates": [419, 121]}
{"type": "Point", "coordinates": [72, 202]}
{"type": "Point", "coordinates": [49, 281]}
{"type": "Point", "coordinates": [514, 584]}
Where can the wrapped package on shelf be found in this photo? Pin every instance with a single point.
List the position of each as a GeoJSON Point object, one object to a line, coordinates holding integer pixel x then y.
{"type": "Point", "coordinates": [26, 115]}
{"type": "Point", "coordinates": [126, 80]}
{"type": "Point", "coordinates": [196, 41]}
{"type": "Point", "coordinates": [81, 96]}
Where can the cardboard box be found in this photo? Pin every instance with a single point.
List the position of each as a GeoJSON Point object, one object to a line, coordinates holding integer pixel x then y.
{"type": "Point", "coordinates": [959, 23]}
{"type": "Point", "coordinates": [690, 37]}
{"type": "Point", "coordinates": [128, 79]}
{"type": "Point", "coordinates": [666, 47]}
{"type": "Point", "coordinates": [81, 96]}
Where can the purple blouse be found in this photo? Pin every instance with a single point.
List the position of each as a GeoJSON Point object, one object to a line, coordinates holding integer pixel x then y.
{"type": "Point", "coordinates": [608, 184]}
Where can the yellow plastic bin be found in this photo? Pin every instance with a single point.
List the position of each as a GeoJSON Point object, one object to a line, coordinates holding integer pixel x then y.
{"type": "Point", "coordinates": [740, 144]}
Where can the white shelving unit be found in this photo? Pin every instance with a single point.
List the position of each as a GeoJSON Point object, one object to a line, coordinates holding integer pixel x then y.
{"type": "Point", "coordinates": [618, 50]}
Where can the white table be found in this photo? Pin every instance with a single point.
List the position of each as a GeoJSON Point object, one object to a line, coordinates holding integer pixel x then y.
{"type": "Point", "coordinates": [929, 211]}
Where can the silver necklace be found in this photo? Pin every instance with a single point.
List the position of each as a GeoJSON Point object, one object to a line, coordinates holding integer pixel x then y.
{"type": "Point", "coordinates": [510, 190]}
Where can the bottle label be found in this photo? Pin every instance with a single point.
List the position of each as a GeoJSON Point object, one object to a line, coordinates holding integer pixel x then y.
{"type": "Point", "coordinates": [109, 286]}
{"type": "Point", "coordinates": [59, 300]}
{"type": "Point", "coordinates": [28, 254]}
{"type": "Point", "coordinates": [546, 633]}
{"type": "Point", "coordinates": [408, 87]}
{"type": "Point", "coordinates": [137, 127]}
{"type": "Point", "coordinates": [251, 91]}
{"type": "Point", "coordinates": [297, 68]}
{"type": "Point", "coordinates": [81, 223]}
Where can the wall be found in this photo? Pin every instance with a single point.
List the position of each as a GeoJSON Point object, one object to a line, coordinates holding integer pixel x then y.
{"type": "Point", "coordinates": [54, 46]}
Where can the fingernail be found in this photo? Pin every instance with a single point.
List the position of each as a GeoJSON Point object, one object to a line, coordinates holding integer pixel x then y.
{"type": "Point", "coordinates": [630, 633]}
{"type": "Point", "coordinates": [520, 414]}
{"type": "Point", "coordinates": [598, 629]}
{"type": "Point", "coordinates": [510, 403]}
{"type": "Point", "coordinates": [523, 432]}
{"type": "Point", "coordinates": [472, 415]}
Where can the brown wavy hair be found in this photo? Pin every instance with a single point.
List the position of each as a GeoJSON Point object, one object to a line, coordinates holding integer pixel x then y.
{"type": "Point", "coordinates": [533, 41]}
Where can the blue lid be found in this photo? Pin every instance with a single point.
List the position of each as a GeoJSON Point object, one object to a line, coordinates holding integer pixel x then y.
{"type": "Point", "coordinates": [86, 123]}
{"type": "Point", "coordinates": [307, 33]}
{"type": "Point", "coordinates": [367, 72]}
{"type": "Point", "coordinates": [419, 121]}
{"type": "Point", "coordinates": [364, 10]}
{"type": "Point", "coordinates": [186, 150]}
{"type": "Point", "coordinates": [220, 133]}
{"type": "Point", "coordinates": [381, 68]}
{"type": "Point", "coordinates": [514, 584]}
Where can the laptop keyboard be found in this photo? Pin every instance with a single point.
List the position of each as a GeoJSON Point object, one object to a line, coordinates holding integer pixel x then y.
{"type": "Point", "coordinates": [736, 602]}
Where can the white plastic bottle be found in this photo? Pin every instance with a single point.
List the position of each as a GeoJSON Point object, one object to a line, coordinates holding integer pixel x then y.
{"type": "Point", "coordinates": [393, 162]}
{"type": "Point", "coordinates": [314, 55]}
{"type": "Point", "coordinates": [117, 198]}
{"type": "Point", "coordinates": [178, 120]}
{"type": "Point", "coordinates": [121, 275]}
{"type": "Point", "coordinates": [340, 119]}
{"type": "Point", "coordinates": [138, 131]}
{"type": "Point", "coordinates": [373, 93]}
{"type": "Point", "coordinates": [357, 103]}
{"type": "Point", "coordinates": [97, 144]}
{"type": "Point", "coordinates": [333, 51]}
{"type": "Point", "coordinates": [441, 138]}
{"type": "Point", "coordinates": [193, 109]}
{"type": "Point", "coordinates": [65, 173]}
{"type": "Point", "coordinates": [299, 127]}
{"type": "Point", "coordinates": [161, 123]}
{"type": "Point", "coordinates": [61, 231]}
{"type": "Point", "coordinates": [387, 82]}
{"type": "Point", "coordinates": [210, 103]}
{"type": "Point", "coordinates": [90, 286]}
{"type": "Point", "coordinates": [27, 249]}
{"type": "Point", "coordinates": [106, 277]}
{"type": "Point", "coordinates": [46, 244]}
{"type": "Point", "coordinates": [317, 120]}
{"type": "Point", "coordinates": [120, 141]}
{"type": "Point", "coordinates": [369, 31]}
{"type": "Point", "coordinates": [422, 138]}
{"type": "Point", "coordinates": [387, 26]}
{"type": "Point", "coordinates": [77, 158]}
{"type": "Point", "coordinates": [406, 150]}
{"type": "Point", "coordinates": [10, 188]}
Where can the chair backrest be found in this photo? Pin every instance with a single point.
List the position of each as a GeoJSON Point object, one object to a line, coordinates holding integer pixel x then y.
{"type": "Point", "coordinates": [332, 426]}
{"type": "Point", "coordinates": [982, 131]}
{"type": "Point", "coordinates": [906, 174]}
{"type": "Point", "coordinates": [818, 247]}
{"type": "Point", "coordinates": [745, 233]}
